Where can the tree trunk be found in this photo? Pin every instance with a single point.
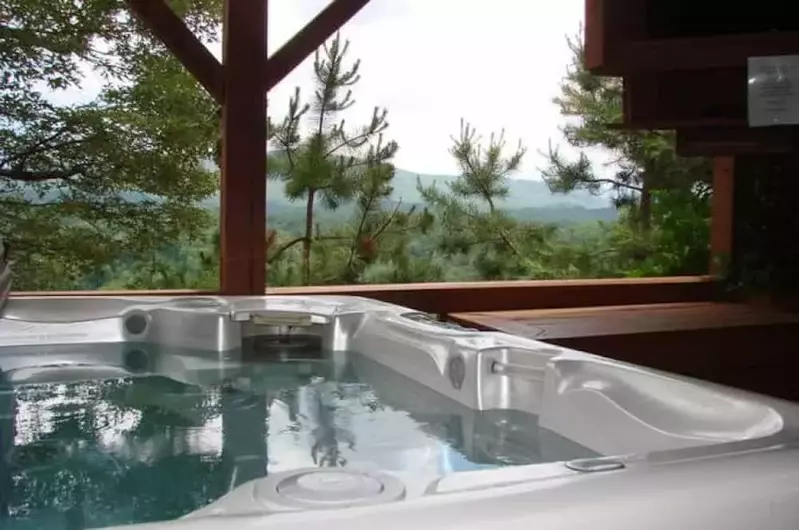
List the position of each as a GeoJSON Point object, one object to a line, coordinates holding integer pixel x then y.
{"type": "Point", "coordinates": [645, 208]}
{"type": "Point", "coordinates": [306, 244]}
{"type": "Point", "coordinates": [5, 276]}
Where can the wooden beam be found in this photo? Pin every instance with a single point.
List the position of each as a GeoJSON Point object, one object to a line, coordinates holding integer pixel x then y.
{"type": "Point", "coordinates": [722, 213]}
{"type": "Point", "coordinates": [668, 100]}
{"type": "Point", "coordinates": [594, 34]}
{"type": "Point", "coordinates": [700, 53]}
{"type": "Point", "coordinates": [167, 26]}
{"type": "Point", "coordinates": [441, 298]}
{"type": "Point", "coordinates": [732, 141]}
{"type": "Point", "coordinates": [243, 193]}
{"type": "Point", "coordinates": [484, 296]}
{"type": "Point", "coordinates": [681, 19]}
{"type": "Point", "coordinates": [309, 38]}
{"type": "Point", "coordinates": [609, 24]}
{"type": "Point", "coordinates": [708, 109]}
{"type": "Point", "coordinates": [670, 125]}
{"type": "Point", "coordinates": [633, 36]}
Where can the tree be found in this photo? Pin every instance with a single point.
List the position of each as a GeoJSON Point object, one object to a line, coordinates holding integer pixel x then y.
{"type": "Point", "coordinates": [187, 264]}
{"type": "Point", "coordinates": [469, 210]}
{"type": "Point", "coordinates": [86, 183]}
{"type": "Point", "coordinates": [332, 163]}
{"type": "Point", "coordinates": [644, 160]}
{"type": "Point", "coordinates": [664, 199]}
{"type": "Point", "coordinates": [5, 275]}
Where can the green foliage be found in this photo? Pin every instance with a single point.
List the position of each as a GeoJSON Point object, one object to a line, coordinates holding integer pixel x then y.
{"type": "Point", "coordinates": [664, 198]}
{"type": "Point", "coordinates": [763, 262]}
{"type": "Point", "coordinates": [335, 165]}
{"type": "Point", "coordinates": [484, 170]}
{"type": "Point", "coordinates": [473, 225]}
{"type": "Point", "coordinates": [679, 221]}
{"type": "Point", "coordinates": [108, 193]}
{"type": "Point", "coordinates": [66, 171]}
{"type": "Point", "coordinates": [187, 263]}
{"type": "Point", "coordinates": [644, 160]}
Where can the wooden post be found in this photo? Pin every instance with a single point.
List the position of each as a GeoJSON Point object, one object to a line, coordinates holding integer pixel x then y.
{"type": "Point", "coordinates": [722, 213]}
{"type": "Point", "coordinates": [243, 186]}
{"type": "Point", "coordinates": [609, 25]}
{"type": "Point", "coordinates": [240, 85]}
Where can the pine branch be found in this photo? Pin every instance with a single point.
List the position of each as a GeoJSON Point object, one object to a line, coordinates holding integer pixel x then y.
{"type": "Point", "coordinates": [283, 248]}
{"type": "Point", "coordinates": [294, 242]}
{"type": "Point", "coordinates": [615, 184]}
{"type": "Point", "coordinates": [388, 221]}
{"type": "Point", "coordinates": [365, 213]}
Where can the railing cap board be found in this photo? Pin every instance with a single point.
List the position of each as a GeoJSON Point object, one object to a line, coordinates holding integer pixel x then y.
{"type": "Point", "coordinates": [451, 297]}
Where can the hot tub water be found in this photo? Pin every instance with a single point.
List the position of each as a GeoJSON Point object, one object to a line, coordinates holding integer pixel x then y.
{"type": "Point", "coordinates": [119, 450]}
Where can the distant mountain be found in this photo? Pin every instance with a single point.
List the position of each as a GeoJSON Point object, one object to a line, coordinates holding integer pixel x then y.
{"type": "Point", "coordinates": [528, 200]}
{"type": "Point", "coordinates": [288, 213]}
{"type": "Point", "coordinates": [524, 193]}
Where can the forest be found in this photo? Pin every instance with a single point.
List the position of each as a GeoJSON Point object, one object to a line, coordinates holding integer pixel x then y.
{"type": "Point", "coordinates": [119, 192]}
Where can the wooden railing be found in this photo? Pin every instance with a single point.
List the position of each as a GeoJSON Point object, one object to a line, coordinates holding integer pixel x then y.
{"type": "Point", "coordinates": [442, 298]}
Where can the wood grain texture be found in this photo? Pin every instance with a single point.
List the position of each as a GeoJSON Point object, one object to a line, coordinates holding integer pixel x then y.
{"type": "Point", "coordinates": [625, 320]}
{"type": "Point", "coordinates": [243, 180]}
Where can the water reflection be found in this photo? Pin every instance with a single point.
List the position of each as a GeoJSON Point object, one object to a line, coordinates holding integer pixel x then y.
{"type": "Point", "coordinates": [328, 433]}
{"type": "Point", "coordinates": [98, 453]}
{"type": "Point", "coordinates": [7, 434]}
{"type": "Point", "coordinates": [83, 454]}
{"type": "Point", "coordinates": [244, 431]}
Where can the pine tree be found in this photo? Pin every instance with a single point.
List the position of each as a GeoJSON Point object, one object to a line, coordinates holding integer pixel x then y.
{"type": "Point", "coordinates": [469, 210]}
{"type": "Point", "coordinates": [645, 161]}
{"type": "Point", "coordinates": [5, 275]}
{"type": "Point", "coordinates": [663, 198]}
{"type": "Point", "coordinates": [332, 164]}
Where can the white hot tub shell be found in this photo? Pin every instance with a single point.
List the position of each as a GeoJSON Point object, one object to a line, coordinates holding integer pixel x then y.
{"type": "Point", "coordinates": [674, 452]}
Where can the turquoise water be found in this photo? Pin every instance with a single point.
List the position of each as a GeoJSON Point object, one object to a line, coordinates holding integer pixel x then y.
{"type": "Point", "coordinates": [106, 452]}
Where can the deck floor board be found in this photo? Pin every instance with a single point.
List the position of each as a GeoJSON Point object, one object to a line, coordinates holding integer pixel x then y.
{"type": "Point", "coordinates": [548, 324]}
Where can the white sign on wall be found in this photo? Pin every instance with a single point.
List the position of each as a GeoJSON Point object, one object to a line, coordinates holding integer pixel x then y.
{"type": "Point", "coordinates": [773, 90]}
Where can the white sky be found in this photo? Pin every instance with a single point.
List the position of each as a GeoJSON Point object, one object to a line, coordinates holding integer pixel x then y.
{"type": "Point", "coordinates": [496, 63]}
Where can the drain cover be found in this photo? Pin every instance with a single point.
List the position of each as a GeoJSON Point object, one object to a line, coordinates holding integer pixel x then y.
{"type": "Point", "coordinates": [327, 488]}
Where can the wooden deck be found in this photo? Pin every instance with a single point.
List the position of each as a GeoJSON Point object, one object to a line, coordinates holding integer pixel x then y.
{"type": "Point", "coordinates": [735, 344]}
{"type": "Point", "coordinates": [442, 298]}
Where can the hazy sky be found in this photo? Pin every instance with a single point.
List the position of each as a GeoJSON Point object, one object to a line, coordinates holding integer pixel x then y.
{"type": "Point", "coordinates": [496, 63]}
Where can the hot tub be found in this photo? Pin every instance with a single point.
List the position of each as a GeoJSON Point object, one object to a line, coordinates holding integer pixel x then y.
{"type": "Point", "coordinates": [195, 413]}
